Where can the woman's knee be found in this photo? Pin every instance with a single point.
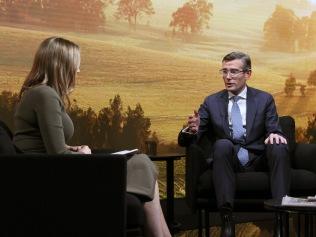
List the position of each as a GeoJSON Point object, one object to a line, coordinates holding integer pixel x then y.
{"type": "Point", "coordinates": [142, 162]}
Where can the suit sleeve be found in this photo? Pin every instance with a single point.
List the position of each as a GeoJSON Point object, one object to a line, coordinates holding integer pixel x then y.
{"type": "Point", "coordinates": [185, 139]}
{"type": "Point", "coordinates": [272, 118]}
{"type": "Point", "coordinates": [204, 119]}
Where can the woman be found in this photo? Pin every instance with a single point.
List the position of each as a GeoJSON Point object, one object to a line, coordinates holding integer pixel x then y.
{"type": "Point", "coordinates": [43, 125]}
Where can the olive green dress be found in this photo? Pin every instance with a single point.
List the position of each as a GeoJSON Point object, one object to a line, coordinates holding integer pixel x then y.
{"type": "Point", "coordinates": [43, 126]}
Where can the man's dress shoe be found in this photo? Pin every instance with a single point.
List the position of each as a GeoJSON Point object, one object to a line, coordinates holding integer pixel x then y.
{"type": "Point", "coordinates": [228, 225]}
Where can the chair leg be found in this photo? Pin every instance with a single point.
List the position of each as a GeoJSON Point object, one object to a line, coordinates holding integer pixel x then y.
{"type": "Point", "coordinates": [306, 226]}
{"type": "Point", "coordinates": [298, 228]}
{"type": "Point", "coordinates": [286, 224]}
{"type": "Point", "coordinates": [207, 222]}
{"type": "Point", "coordinates": [311, 226]}
{"type": "Point", "coordinates": [278, 225]}
{"type": "Point", "coordinates": [200, 223]}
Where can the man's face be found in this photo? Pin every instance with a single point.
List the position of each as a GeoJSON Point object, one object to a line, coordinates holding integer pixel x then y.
{"type": "Point", "coordinates": [234, 75]}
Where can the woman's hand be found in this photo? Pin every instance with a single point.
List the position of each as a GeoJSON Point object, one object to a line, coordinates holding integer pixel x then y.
{"type": "Point", "coordinates": [84, 149]}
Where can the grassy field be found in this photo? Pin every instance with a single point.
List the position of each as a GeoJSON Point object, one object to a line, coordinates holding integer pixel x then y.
{"type": "Point", "coordinates": [169, 79]}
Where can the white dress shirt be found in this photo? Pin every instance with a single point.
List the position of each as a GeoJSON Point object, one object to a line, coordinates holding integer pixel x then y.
{"type": "Point", "coordinates": [242, 103]}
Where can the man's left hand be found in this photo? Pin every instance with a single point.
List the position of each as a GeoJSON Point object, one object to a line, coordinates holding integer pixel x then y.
{"type": "Point", "coordinates": [275, 138]}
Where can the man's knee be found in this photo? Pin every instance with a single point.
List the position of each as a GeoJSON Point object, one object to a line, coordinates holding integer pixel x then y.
{"type": "Point", "coordinates": [223, 144]}
{"type": "Point", "coordinates": [223, 147]}
{"type": "Point", "coordinates": [277, 151]}
{"type": "Point", "coordinates": [277, 148]}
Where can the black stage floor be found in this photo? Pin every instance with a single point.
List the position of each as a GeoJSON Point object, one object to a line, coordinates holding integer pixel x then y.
{"type": "Point", "coordinates": [248, 224]}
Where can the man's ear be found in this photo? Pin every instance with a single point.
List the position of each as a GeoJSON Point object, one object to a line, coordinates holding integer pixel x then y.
{"type": "Point", "coordinates": [248, 74]}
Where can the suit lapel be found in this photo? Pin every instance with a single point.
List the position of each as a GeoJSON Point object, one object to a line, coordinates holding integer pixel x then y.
{"type": "Point", "coordinates": [251, 110]}
{"type": "Point", "coordinates": [223, 109]}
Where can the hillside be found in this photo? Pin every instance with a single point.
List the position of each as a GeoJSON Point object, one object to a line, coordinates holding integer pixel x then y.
{"type": "Point", "coordinates": [169, 78]}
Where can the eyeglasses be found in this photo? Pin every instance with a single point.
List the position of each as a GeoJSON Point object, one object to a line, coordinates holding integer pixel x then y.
{"type": "Point", "coordinates": [233, 72]}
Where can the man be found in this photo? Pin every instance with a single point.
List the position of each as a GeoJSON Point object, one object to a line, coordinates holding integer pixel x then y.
{"type": "Point", "coordinates": [243, 123]}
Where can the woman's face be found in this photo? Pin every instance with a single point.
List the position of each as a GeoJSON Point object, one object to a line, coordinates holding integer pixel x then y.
{"type": "Point", "coordinates": [72, 87]}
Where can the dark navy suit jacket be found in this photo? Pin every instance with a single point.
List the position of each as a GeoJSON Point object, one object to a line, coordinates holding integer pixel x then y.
{"type": "Point", "coordinates": [261, 120]}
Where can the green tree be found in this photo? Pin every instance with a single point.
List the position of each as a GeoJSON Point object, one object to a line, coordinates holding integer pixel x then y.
{"type": "Point", "coordinates": [310, 133]}
{"type": "Point", "coordinates": [103, 127]}
{"type": "Point", "coordinates": [111, 128]}
{"type": "Point", "coordinates": [301, 33]}
{"type": "Point", "coordinates": [280, 30]}
{"type": "Point", "coordinates": [14, 11]}
{"type": "Point", "coordinates": [79, 15]}
{"type": "Point", "coordinates": [192, 17]}
{"type": "Point", "coordinates": [311, 34]}
{"type": "Point", "coordinates": [85, 125]}
{"type": "Point", "coordinates": [131, 10]}
{"type": "Point", "coordinates": [290, 85]}
{"type": "Point", "coordinates": [136, 128]}
{"type": "Point", "coordinates": [311, 80]}
{"type": "Point", "coordinates": [300, 135]}
{"type": "Point", "coordinates": [116, 123]}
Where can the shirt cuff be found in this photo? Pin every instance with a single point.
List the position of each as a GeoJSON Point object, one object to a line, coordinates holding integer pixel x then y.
{"type": "Point", "coordinates": [187, 131]}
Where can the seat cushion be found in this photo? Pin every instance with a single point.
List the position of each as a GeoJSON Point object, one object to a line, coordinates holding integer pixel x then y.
{"type": "Point", "coordinates": [257, 184]}
{"type": "Point", "coordinates": [248, 183]}
{"type": "Point", "coordinates": [303, 182]}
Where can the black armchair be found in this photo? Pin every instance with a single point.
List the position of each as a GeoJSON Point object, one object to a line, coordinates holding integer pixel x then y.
{"type": "Point", "coordinates": [65, 195]}
{"type": "Point", "coordinates": [252, 187]}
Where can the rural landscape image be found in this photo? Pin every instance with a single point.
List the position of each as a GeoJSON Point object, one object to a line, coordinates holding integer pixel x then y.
{"type": "Point", "coordinates": [145, 67]}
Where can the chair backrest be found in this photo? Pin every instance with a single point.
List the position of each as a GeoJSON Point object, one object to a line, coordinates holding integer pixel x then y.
{"type": "Point", "coordinates": [6, 129]}
{"type": "Point", "coordinates": [6, 144]}
{"type": "Point", "coordinates": [63, 195]}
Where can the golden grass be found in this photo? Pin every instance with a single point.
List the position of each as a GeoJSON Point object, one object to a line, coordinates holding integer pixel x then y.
{"type": "Point", "coordinates": [169, 85]}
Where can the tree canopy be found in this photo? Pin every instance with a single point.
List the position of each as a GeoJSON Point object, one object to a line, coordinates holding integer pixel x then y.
{"type": "Point", "coordinates": [111, 127]}
{"type": "Point", "coordinates": [192, 17]}
{"type": "Point", "coordinates": [280, 30]}
{"type": "Point", "coordinates": [131, 10]}
{"type": "Point", "coordinates": [294, 33]}
{"type": "Point", "coordinates": [71, 14]}
{"type": "Point", "coordinates": [311, 80]}
{"type": "Point", "coordinates": [290, 85]}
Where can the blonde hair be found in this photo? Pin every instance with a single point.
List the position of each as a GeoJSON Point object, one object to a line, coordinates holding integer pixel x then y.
{"type": "Point", "coordinates": [55, 64]}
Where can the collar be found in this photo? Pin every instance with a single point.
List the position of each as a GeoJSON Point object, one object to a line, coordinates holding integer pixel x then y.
{"type": "Point", "coordinates": [242, 94]}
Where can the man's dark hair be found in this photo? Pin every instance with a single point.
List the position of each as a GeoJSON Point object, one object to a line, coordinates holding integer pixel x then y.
{"type": "Point", "coordinates": [239, 55]}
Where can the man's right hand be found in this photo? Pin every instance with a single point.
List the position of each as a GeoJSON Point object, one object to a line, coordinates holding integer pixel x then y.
{"type": "Point", "coordinates": [193, 122]}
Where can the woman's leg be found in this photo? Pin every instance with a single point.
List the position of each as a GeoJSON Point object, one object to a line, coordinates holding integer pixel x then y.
{"type": "Point", "coordinates": [155, 224]}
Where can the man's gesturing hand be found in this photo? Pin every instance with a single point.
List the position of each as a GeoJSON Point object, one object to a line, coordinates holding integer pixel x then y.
{"type": "Point", "coordinates": [194, 122]}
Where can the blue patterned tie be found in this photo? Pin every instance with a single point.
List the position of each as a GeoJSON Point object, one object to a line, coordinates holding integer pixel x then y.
{"type": "Point", "coordinates": [238, 130]}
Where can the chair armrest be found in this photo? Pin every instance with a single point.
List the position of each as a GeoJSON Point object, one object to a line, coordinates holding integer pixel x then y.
{"type": "Point", "coordinates": [305, 157]}
{"type": "Point", "coordinates": [185, 139]}
{"type": "Point", "coordinates": [196, 163]}
{"type": "Point", "coordinates": [102, 151]}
